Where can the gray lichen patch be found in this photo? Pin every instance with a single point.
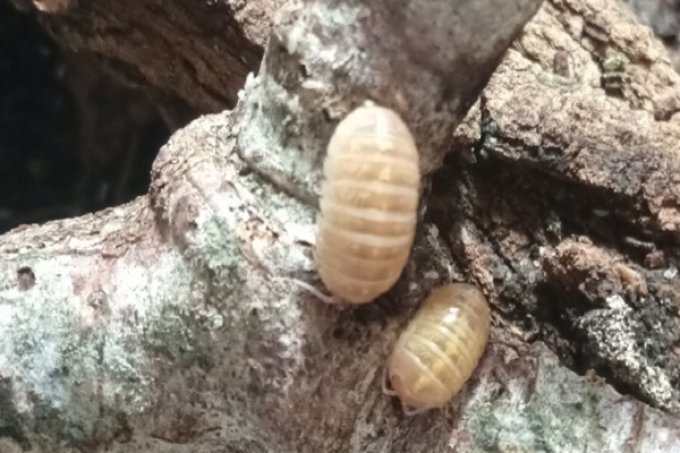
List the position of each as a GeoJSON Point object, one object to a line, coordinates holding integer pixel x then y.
{"type": "Point", "coordinates": [612, 342]}
{"type": "Point", "coordinates": [267, 143]}
{"type": "Point", "coordinates": [73, 348]}
{"type": "Point", "coordinates": [532, 404]}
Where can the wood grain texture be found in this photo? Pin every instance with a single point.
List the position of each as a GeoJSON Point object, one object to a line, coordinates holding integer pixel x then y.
{"type": "Point", "coordinates": [441, 346]}
{"type": "Point", "coordinates": [368, 204]}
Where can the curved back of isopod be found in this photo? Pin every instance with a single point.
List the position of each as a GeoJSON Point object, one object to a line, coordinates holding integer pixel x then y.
{"type": "Point", "coordinates": [368, 203]}
{"type": "Point", "coordinates": [440, 347]}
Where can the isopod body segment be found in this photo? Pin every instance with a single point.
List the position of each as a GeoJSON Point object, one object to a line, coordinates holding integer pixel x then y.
{"type": "Point", "coordinates": [441, 346]}
{"type": "Point", "coordinates": [369, 202]}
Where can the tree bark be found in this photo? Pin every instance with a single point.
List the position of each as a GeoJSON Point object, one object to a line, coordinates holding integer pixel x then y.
{"type": "Point", "coordinates": [199, 55]}
{"type": "Point", "coordinates": [173, 323]}
{"type": "Point", "coordinates": [663, 16]}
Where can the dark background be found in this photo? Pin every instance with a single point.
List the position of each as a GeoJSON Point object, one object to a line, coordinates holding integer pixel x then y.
{"type": "Point", "coordinates": [72, 138]}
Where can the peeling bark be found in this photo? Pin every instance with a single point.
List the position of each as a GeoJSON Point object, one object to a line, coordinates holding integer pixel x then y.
{"type": "Point", "coordinates": [582, 159]}
{"type": "Point", "coordinates": [172, 323]}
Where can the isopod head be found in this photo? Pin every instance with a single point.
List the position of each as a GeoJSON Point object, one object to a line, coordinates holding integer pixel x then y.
{"type": "Point", "coordinates": [440, 347]}
{"type": "Point", "coordinates": [369, 202]}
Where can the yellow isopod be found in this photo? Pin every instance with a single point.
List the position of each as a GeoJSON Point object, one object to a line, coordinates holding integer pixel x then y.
{"type": "Point", "coordinates": [369, 202]}
{"type": "Point", "coordinates": [440, 348]}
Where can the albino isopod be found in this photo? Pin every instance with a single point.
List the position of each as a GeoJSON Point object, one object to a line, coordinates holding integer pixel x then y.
{"type": "Point", "coordinates": [441, 347]}
{"type": "Point", "coordinates": [369, 202]}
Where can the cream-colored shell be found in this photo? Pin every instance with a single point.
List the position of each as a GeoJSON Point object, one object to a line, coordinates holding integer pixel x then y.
{"type": "Point", "coordinates": [369, 204]}
{"type": "Point", "coordinates": [441, 346]}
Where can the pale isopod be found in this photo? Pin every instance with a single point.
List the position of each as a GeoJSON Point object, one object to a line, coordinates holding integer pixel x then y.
{"type": "Point", "coordinates": [369, 202]}
{"type": "Point", "coordinates": [441, 347]}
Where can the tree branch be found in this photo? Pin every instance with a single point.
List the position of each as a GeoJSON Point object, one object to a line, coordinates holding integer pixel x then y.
{"type": "Point", "coordinates": [171, 323]}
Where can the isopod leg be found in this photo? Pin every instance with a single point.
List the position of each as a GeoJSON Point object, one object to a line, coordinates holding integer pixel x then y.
{"type": "Point", "coordinates": [387, 391]}
{"type": "Point", "coordinates": [315, 292]}
{"type": "Point", "coordinates": [411, 411]}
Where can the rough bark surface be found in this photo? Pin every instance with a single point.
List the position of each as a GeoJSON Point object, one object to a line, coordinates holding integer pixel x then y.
{"type": "Point", "coordinates": [174, 324]}
{"type": "Point", "coordinates": [663, 16]}
{"type": "Point", "coordinates": [199, 53]}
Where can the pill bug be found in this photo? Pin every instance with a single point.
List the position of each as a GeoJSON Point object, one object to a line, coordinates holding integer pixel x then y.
{"type": "Point", "coordinates": [440, 348]}
{"type": "Point", "coordinates": [369, 202]}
